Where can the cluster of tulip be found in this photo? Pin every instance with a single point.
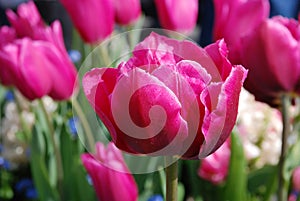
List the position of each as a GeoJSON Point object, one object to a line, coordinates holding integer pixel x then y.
{"type": "Point", "coordinates": [168, 98]}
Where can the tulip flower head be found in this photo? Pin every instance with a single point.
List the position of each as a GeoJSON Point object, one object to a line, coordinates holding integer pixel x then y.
{"type": "Point", "coordinates": [94, 19]}
{"type": "Point", "coordinates": [264, 53]}
{"type": "Point", "coordinates": [109, 173]}
{"type": "Point", "coordinates": [127, 11]}
{"type": "Point", "coordinates": [170, 98]}
{"type": "Point", "coordinates": [177, 15]}
{"type": "Point", "coordinates": [262, 45]}
{"type": "Point", "coordinates": [236, 18]}
{"type": "Point", "coordinates": [33, 57]}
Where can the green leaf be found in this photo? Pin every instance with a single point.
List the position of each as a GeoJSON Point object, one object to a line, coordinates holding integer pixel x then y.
{"type": "Point", "coordinates": [76, 186]}
{"type": "Point", "coordinates": [262, 182]}
{"type": "Point", "coordinates": [46, 191]}
{"type": "Point", "coordinates": [236, 185]}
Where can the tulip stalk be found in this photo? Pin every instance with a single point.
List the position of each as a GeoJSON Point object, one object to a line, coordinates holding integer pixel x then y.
{"type": "Point", "coordinates": [55, 147]}
{"type": "Point", "coordinates": [171, 179]}
{"type": "Point", "coordinates": [85, 124]}
{"type": "Point", "coordinates": [23, 123]}
{"type": "Point", "coordinates": [283, 183]}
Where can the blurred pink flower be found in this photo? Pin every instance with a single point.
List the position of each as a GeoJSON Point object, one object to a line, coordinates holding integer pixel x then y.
{"type": "Point", "coordinates": [276, 43]}
{"type": "Point", "coordinates": [214, 168]}
{"type": "Point", "coordinates": [127, 11]}
{"type": "Point", "coordinates": [142, 103]}
{"type": "Point", "coordinates": [296, 179]}
{"type": "Point", "coordinates": [110, 175]}
{"type": "Point", "coordinates": [262, 45]}
{"type": "Point", "coordinates": [94, 19]}
{"type": "Point", "coordinates": [236, 18]}
{"type": "Point", "coordinates": [27, 21]}
{"type": "Point", "coordinates": [177, 15]}
{"type": "Point", "coordinates": [295, 184]}
{"type": "Point", "coordinates": [33, 56]}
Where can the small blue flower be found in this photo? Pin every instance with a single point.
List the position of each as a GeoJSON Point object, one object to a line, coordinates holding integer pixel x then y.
{"type": "Point", "coordinates": [26, 186]}
{"type": "Point", "coordinates": [4, 163]}
{"type": "Point", "coordinates": [31, 193]}
{"type": "Point", "coordinates": [9, 96]}
{"type": "Point", "coordinates": [72, 125]}
{"type": "Point", "coordinates": [74, 55]}
{"type": "Point", "coordinates": [156, 198]}
{"type": "Point", "coordinates": [23, 184]}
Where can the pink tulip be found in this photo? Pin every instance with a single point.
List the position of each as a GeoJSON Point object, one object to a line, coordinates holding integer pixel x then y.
{"type": "Point", "coordinates": [27, 21]}
{"type": "Point", "coordinates": [127, 11]}
{"type": "Point", "coordinates": [214, 168]}
{"type": "Point", "coordinates": [110, 175]}
{"type": "Point", "coordinates": [94, 19]}
{"type": "Point", "coordinates": [236, 18]}
{"type": "Point", "coordinates": [33, 56]}
{"type": "Point", "coordinates": [296, 179]}
{"type": "Point", "coordinates": [272, 56]}
{"type": "Point", "coordinates": [295, 185]}
{"type": "Point", "coordinates": [170, 98]}
{"type": "Point", "coordinates": [177, 15]}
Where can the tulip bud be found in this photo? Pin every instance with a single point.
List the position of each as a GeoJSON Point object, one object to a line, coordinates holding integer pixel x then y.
{"type": "Point", "coordinates": [94, 19]}
{"type": "Point", "coordinates": [127, 11]}
{"type": "Point", "coordinates": [177, 15]}
{"type": "Point", "coordinates": [109, 173]}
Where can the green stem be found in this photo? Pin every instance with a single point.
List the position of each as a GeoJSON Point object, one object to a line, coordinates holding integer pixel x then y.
{"type": "Point", "coordinates": [85, 124]}
{"type": "Point", "coordinates": [172, 180]}
{"type": "Point", "coordinates": [55, 147]}
{"type": "Point", "coordinates": [24, 125]}
{"type": "Point", "coordinates": [104, 54]}
{"type": "Point", "coordinates": [282, 183]}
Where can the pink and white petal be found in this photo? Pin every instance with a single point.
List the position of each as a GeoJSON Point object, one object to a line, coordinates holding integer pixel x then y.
{"type": "Point", "coordinates": [221, 101]}
{"type": "Point", "coordinates": [147, 110]}
{"type": "Point", "coordinates": [97, 86]}
{"type": "Point", "coordinates": [218, 52]}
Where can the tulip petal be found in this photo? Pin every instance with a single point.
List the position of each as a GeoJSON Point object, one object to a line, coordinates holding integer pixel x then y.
{"type": "Point", "coordinates": [98, 85]}
{"type": "Point", "coordinates": [177, 15]}
{"type": "Point", "coordinates": [261, 79]}
{"type": "Point", "coordinates": [94, 20]}
{"type": "Point", "coordinates": [35, 68]}
{"type": "Point", "coordinates": [109, 181]}
{"type": "Point", "coordinates": [99, 176]}
{"type": "Point", "coordinates": [218, 52]}
{"type": "Point", "coordinates": [62, 71]}
{"type": "Point", "coordinates": [221, 101]}
{"type": "Point", "coordinates": [146, 110]}
{"type": "Point", "coordinates": [279, 39]}
{"type": "Point", "coordinates": [172, 51]}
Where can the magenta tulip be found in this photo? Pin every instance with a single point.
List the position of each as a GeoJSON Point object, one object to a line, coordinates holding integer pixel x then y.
{"type": "Point", "coordinates": [295, 185]}
{"type": "Point", "coordinates": [33, 56]}
{"type": "Point", "coordinates": [27, 21]}
{"type": "Point", "coordinates": [177, 15]}
{"type": "Point", "coordinates": [214, 168]}
{"type": "Point", "coordinates": [272, 55]}
{"type": "Point", "coordinates": [94, 19]}
{"type": "Point", "coordinates": [170, 98]}
{"type": "Point", "coordinates": [296, 179]}
{"type": "Point", "coordinates": [110, 175]}
{"type": "Point", "coordinates": [127, 11]}
{"type": "Point", "coordinates": [237, 18]}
